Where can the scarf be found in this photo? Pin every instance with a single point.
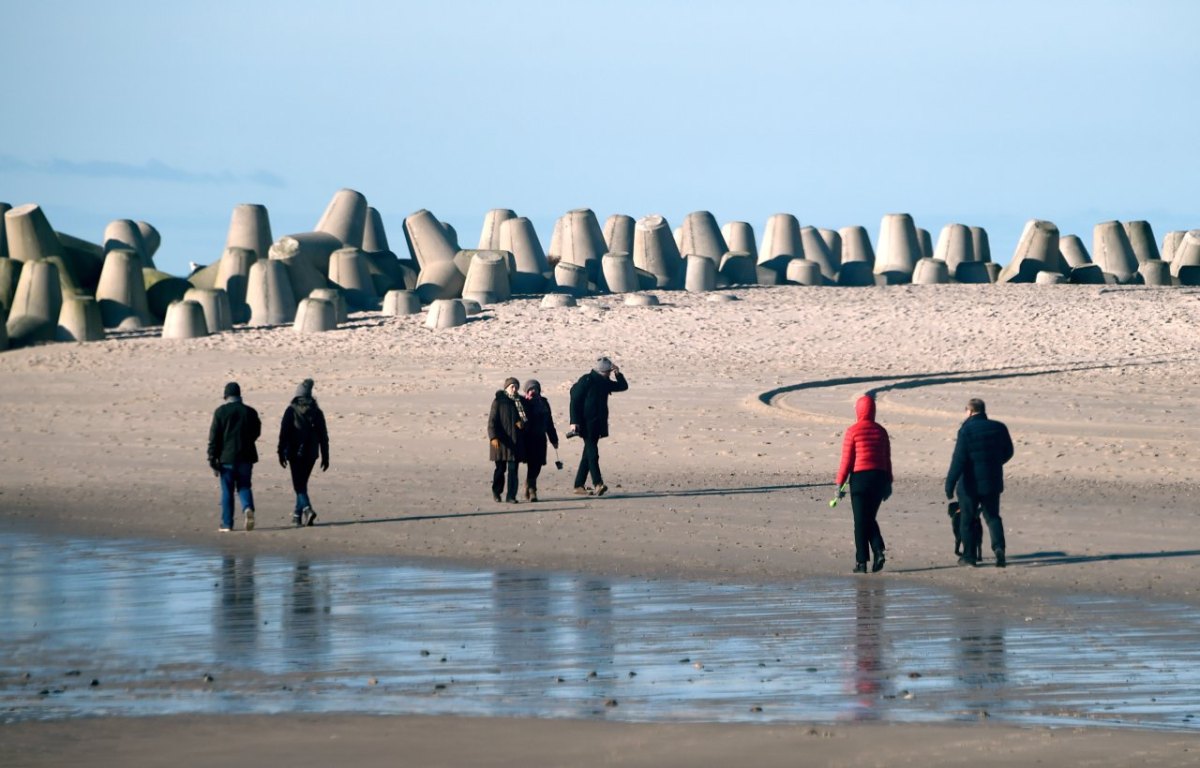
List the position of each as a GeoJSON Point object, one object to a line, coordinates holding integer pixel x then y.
{"type": "Point", "coordinates": [516, 398]}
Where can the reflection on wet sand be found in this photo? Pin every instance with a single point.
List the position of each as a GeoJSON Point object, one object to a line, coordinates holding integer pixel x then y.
{"type": "Point", "coordinates": [178, 630]}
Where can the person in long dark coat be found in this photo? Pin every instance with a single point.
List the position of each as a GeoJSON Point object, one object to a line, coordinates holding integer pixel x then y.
{"type": "Point", "coordinates": [303, 436]}
{"type": "Point", "coordinates": [505, 422]}
{"type": "Point", "coordinates": [977, 475]}
{"type": "Point", "coordinates": [589, 419]}
{"type": "Point", "coordinates": [538, 428]}
{"type": "Point", "coordinates": [231, 453]}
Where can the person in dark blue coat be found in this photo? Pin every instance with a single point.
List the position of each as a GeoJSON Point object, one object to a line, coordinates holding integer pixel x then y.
{"type": "Point", "coordinates": [589, 419]}
{"type": "Point", "coordinates": [977, 476]}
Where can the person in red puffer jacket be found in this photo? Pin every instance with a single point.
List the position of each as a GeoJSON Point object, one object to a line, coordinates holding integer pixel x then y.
{"type": "Point", "coordinates": [867, 463]}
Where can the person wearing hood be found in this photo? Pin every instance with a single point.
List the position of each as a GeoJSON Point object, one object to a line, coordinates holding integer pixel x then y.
{"type": "Point", "coordinates": [538, 428]}
{"type": "Point", "coordinates": [589, 419]}
{"type": "Point", "coordinates": [231, 453]}
{"type": "Point", "coordinates": [303, 436]}
{"type": "Point", "coordinates": [867, 465]}
{"type": "Point", "coordinates": [976, 474]}
{"type": "Point", "coordinates": [505, 422]}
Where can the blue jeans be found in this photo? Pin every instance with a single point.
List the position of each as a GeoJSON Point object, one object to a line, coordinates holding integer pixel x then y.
{"type": "Point", "coordinates": [235, 477]}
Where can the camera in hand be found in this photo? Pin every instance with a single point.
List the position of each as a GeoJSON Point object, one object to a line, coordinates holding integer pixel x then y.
{"type": "Point", "coordinates": [558, 465]}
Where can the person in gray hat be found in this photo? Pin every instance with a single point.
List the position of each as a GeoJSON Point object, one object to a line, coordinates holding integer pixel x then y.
{"type": "Point", "coordinates": [232, 455]}
{"type": "Point", "coordinates": [303, 437]}
{"type": "Point", "coordinates": [539, 427]}
{"type": "Point", "coordinates": [589, 420]}
{"type": "Point", "coordinates": [505, 422]}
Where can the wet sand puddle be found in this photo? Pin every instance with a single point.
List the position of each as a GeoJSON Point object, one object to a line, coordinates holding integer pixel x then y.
{"type": "Point", "coordinates": [125, 628]}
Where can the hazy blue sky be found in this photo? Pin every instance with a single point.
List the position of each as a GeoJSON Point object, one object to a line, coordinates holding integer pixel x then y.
{"type": "Point", "coordinates": [984, 113]}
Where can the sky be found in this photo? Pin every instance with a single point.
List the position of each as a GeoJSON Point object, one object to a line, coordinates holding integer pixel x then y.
{"type": "Point", "coordinates": [980, 113]}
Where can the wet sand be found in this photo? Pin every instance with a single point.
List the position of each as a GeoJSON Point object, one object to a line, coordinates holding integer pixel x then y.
{"type": "Point", "coordinates": [722, 455]}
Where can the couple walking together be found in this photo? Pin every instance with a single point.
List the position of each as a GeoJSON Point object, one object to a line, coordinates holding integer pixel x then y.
{"type": "Point", "coordinates": [976, 475]}
{"type": "Point", "coordinates": [521, 422]}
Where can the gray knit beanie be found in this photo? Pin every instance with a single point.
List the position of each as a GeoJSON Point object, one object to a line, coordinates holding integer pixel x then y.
{"type": "Point", "coordinates": [603, 366]}
{"type": "Point", "coordinates": [305, 388]}
{"type": "Point", "coordinates": [533, 384]}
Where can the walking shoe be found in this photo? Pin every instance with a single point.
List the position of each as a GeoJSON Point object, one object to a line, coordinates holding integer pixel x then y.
{"type": "Point", "coordinates": [532, 494]}
{"type": "Point", "coordinates": [249, 518]}
{"type": "Point", "coordinates": [495, 496]}
{"type": "Point", "coordinates": [310, 516]}
{"type": "Point", "coordinates": [966, 561]}
{"type": "Point", "coordinates": [877, 566]}
{"type": "Point", "coordinates": [296, 519]}
{"type": "Point", "coordinates": [528, 492]}
{"type": "Point", "coordinates": [860, 567]}
{"type": "Point", "coordinates": [224, 529]}
{"type": "Point", "coordinates": [601, 489]}
{"type": "Point", "coordinates": [1000, 561]}
{"type": "Point", "coordinates": [581, 491]}
{"type": "Point", "coordinates": [513, 500]}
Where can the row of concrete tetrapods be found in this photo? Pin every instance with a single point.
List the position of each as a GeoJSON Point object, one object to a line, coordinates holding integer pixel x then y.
{"type": "Point", "coordinates": [57, 287]}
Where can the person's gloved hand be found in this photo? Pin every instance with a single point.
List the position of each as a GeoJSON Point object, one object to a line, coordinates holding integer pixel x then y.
{"type": "Point", "coordinates": [324, 463]}
{"type": "Point", "coordinates": [555, 444]}
{"type": "Point", "coordinates": [949, 494]}
{"type": "Point", "coordinates": [215, 466]}
{"type": "Point", "coordinates": [283, 461]}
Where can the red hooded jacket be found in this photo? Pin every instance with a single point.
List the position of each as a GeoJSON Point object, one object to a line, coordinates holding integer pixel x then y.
{"type": "Point", "coordinates": [866, 444]}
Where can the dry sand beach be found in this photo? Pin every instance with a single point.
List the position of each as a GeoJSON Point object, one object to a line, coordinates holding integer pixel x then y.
{"type": "Point", "coordinates": [720, 464]}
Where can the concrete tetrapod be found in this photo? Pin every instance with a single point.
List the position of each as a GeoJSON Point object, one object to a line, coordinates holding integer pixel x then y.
{"type": "Point", "coordinates": [738, 268]}
{"type": "Point", "coordinates": [250, 228]}
{"type": "Point", "coordinates": [215, 304]}
{"type": "Point", "coordinates": [572, 278]}
{"type": "Point", "coordinates": [856, 274]}
{"type": "Point", "coordinates": [151, 238]}
{"type": "Point", "coordinates": [1086, 274]}
{"type": "Point", "coordinates": [123, 234]}
{"type": "Point", "coordinates": [954, 246]}
{"type": "Point", "coordinates": [926, 241]}
{"type": "Point", "coordinates": [122, 291]}
{"type": "Point", "coordinates": [641, 300]}
{"type": "Point", "coordinates": [83, 260]}
{"type": "Point", "coordinates": [979, 244]}
{"type": "Point", "coordinates": [269, 293]}
{"type": "Point", "coordinates": [739, 238]}
{"type": "Point", "coordinates": [558, 300]}
{"type": "Point", "coordinates": [700, 273]}
{"type": "Point", "coordinates": [1112, 252]}
{"type": "Point", "coordinates": [428, 241]}
{"type": "Point", "coordinates": [1187, 255]}
{"type": "Point", "coordinates": [446, 313]}
{"type": "Point", "coordinates": [185, 320]}
{"type": "Point", "coordinates": [618, 233]}
{"type": "Point", "coordinates": [856, 246]}
{"type": "Point", "coordinates": [931, 272]}
{"type": "Point", "coordinates": [781, 244]}
{"type": "Point", "coordinates": [1155, 272]}
{"type": "Point", "coordinates": [396, 303]}
{"type": "Point", "coordinates": [487, 278]}
{"type": "Point", "coordinates": [833, 242]}
{"type": "Point", "coordinates": [10, 274]}
{"type": "Point", "coordinates": [348, 270]}
{"type": "Point", "coordinates": [619, 273]}
{"type": "Point", "coordinates": [341, 312]}
{"type": "Point", "coordinates": [312, 247]}
{"type": "Point", "coordinates": [3, 335]}
{"type": "Point", "coordinates": [581, 243]}
{"type": "Point", "coordinates": [29, 235]}
{"type": "Point", "coordinates": [816, 250]}
{"type": "Point", "coordinates": [440, 280]}
{"type": "Point", "coordinates": [654, 251]}
{"type": "Point", "coordinates": [233, 276]}
{"type": "Point", "coordinates": [315, 315]}
{"type": "Point", "coordinates": [1171, 242]}
{"type": "Point", "coordinates": [79, 320]}
{"type": "Point", "coordinates": [1141, 240]}
{"type": "Point", "coordinates": [304, 277]}
{"type": "Point", "coordinates": [345, 218]}
{"type": "Point", "coordinates": [374, 239]}
{"type": "Point", "coordinates": [1050, 278]}
{"type": "Point", "coordinates": [700, 236]}
{"type": "Point", "coordinates": [973, 272]}
{"type": "Point", "coordinates": [4, 208]}
{"type": "Point", "coordinates": [899, 247]}
{"type": "Point", "coordinates": [161, 290]}
{"type": "Point", "coordinates": [804, 272]}
{"type": "Point", "coordinates": [1036, 251]}
{"type": "Point", "coordinates": [1073, 252]}
{"type": "Point", "coordinates": [489, 236]}
{"type": "Point", "coordinates": [518, 237]}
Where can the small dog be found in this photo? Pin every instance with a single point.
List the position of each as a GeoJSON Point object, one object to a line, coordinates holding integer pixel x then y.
{"type": "Point", "coordinates": [955, 513]}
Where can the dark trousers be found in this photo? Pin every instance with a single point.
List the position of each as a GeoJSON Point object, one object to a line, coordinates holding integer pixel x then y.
{"type": "Point", "coordinates": [970, 507]}
{"type": "Point", "coordinates": [301, 467]}
{"type": "Point", "coordinates": [531, 476]}
{"type": "Point", "coordinates": [867, 536]}
{"type": "Point", "coordinates": [589, 462]}
{"type": "Point", "coordinates": [498, 485]}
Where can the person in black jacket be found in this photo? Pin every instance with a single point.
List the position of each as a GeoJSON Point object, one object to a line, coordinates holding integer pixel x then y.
{"type": "Point", "coordinates": [589, 419]}
{"type": "Point", "coordinates": [232, 455]}
{"type": "Point", "coordinates": [303, 436]}
{"type": "Point", "coordinates": [538, 427]}
{"type": "Point", "coordinates": [505, 422]}
{"type": "Point", "coordinates": [977, 475]}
